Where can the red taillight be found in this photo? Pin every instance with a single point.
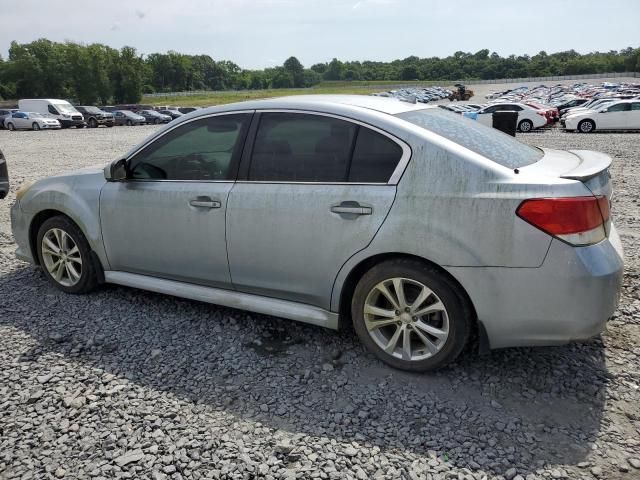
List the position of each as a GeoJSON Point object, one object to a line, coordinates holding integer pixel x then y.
{"type": "Point", "coordinates": [577, 220]}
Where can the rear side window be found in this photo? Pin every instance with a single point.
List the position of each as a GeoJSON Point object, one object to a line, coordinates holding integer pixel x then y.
{"type": "Point", "coordinates": [486, 141]}
{"type": "Point", "coordinates": [620, 107]}
{"type": "Point", "coordinates": [297, 147]}
{"type": "Point", "coordinates": [635, 106]}
{"type": "Point", "coordinates": [375, 157]}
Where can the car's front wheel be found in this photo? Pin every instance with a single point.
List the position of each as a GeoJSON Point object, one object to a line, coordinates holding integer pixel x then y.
{"type": "Point", "coordinates": [525, 126]}
{"type": "Point", "coordinates": [129, 123]}
{"type": "Point", "coordinates": [410, 315]}
{"type": "Point", "coordinates": [586, 126]}
{"type": "Point", "coordinates": [35, 126]}
{"type": "Point", "coordinates": [65, 255]}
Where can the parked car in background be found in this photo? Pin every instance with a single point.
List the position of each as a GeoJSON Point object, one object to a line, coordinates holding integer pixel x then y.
{"type": "Point", "coordinates": [528, 118]}
{"type": "Point", "coordinates": [575, 102]}
{"type": "Point", "coordinates": [620, 115]}
{"type": "Point", "coordinates": [550, 113]}
{"type": "Point", "coordinates": [31, 121]}
{"type": "Point", "coordinates": [96, 117]}
{"type": "Point", "coordinates": [61, 110]}
{"type": "Point", "coordinates": [151, 116]}
{"type": "Point", "coordinates": [421, 227]}
{"type": "Point", "coordinates": [4, 177]}
{"type": "Point", "coordinates": [172, 113]}
{"type": "Point", "coordinates": [4, 113]}
{"type": "Point", "coordinates": [187, 109]}
{"type": "Point", "coordinates": [126, 117]}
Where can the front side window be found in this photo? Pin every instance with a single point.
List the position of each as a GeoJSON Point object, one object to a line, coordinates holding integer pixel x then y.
{"type": "Point", "coordinates": [199, 150]}
{"type": "Point", "coordinates": [296, 147]}
{"type": "Point", "coordinates": [620, 107]}
{"type": "Point", "coordinates": [635, 106]}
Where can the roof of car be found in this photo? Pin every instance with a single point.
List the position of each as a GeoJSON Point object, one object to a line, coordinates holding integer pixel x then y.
{"type": "Point", "coordinates": [391, 106]}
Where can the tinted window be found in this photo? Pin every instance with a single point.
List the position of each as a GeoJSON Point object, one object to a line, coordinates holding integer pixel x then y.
{"type": "Point", "coordinates": [635, 106]}
{"type": "Point", "coordinates": [620, 107]}
{"type": "Point", "coordinates": [375, 157]}
{"type": "Point", "coordinates": [295, 147]}
{"type": "Point", "coordinates": [486, 141]}
{"type": "Point", "coordinates": [199, 150]}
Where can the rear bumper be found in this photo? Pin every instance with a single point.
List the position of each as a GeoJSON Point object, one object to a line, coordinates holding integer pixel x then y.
{"type": "Point", "coordinates": [570, 297]}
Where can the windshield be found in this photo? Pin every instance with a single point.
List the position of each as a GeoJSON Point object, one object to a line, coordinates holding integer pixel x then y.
{"type": "Point", "coordinates": [92, 110]}
{"type": "Point", "coordinates": [486, 141]}
{"type": "Point", "coordinates": [64, 107]}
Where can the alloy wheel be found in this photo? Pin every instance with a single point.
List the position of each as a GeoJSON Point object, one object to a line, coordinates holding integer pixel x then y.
{"type": "Point", "coordinates": [406, 319]}
{"type": "Point", "coordinates": [61, 257]}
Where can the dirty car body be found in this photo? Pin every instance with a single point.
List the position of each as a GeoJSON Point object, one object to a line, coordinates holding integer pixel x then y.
{"type": "Point", "coordinates": [461, 207]}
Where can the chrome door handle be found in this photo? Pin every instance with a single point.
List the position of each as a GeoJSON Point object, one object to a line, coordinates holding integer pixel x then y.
{"type": "Point", "coordinates": [351, 208]}
{"type": "Point", "coordinates": [205, 203]}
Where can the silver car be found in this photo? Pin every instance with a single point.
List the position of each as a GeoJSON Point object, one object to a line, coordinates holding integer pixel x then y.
{"type": "Point", "coordinates": [31, 121]}
{"type": "Point", "coordinates": [426, 230]}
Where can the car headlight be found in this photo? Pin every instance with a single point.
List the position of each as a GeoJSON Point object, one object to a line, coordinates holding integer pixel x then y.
{"type": "Point", "coordinates": [23, 189]}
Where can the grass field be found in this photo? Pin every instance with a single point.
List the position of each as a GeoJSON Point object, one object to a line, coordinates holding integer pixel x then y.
{"type": "Point", "coordinates": [222, 97]}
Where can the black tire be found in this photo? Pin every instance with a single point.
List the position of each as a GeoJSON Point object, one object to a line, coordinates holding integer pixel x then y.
{"type": "Point", "coordinates": [109, 125]}
{"type": "Point", "coordinates": [10, 127]}
{"type": "Point", "coordinates": [129, 123]}
{"type": "Point", "coordinates": [525, 126]}
{"type": "Point", "coordinates": [459, 312]}
{"type": "Point", "coordinates": [88, 275]}
{"type": "Point", "coordinates": [156, 121]}
{"type": "Point", "coordinates": [35, 126]}
{"type": "Point", "coordinates": [93, 123]}
{"type": "Point", "coordinates": [586, 126]}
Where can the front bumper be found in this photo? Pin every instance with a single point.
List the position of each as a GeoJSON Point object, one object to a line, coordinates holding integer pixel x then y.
{"type": "Point", "coordinates": [20, 227]}
{"type": "Point", "coordinates": [569, 297]}
{"type": "Point", "coordinates": [65, 123]}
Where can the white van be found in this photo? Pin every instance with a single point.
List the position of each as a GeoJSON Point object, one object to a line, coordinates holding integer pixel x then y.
{"type": "Point", "coordinates": [62, 110]}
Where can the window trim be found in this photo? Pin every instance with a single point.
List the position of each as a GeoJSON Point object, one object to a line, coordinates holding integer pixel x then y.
{"type": "Point", "coordinates": [245, 162]}
{"type": "Point", "coordinates": [173, 127]}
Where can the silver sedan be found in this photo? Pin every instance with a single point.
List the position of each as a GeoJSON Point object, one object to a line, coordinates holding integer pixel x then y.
{"type": "Point", "coordinates": [424, 229]}
{"type": "Point", "coordinates": [30, 121]}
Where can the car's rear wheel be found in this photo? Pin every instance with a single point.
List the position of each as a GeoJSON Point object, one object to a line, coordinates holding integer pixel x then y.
{"type": "Point", "coordinates": [10, 126]}
{"type": "Point", "coordinates": [93, 123]}
{"type": "Point", "coordinates": [65, 256]}
{"type": "Point", "coordinates": [35, 126]}
{"type": "Point", "coordinates": [586, 126]}
{"type": "Point", "coordinates": [525, 126]}
{"type": "Point", "coordinates": [410, 315]}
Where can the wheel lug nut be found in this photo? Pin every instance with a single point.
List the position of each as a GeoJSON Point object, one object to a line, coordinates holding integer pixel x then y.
{"type": "Point", "coordinates": [399, 323]}
{"type": "Point", "coordinates": [397, 312]}
{"type": "Point", "coordinates": [407, 309]}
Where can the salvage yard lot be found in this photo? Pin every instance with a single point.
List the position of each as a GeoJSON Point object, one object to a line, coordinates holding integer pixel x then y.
{"type": "Point", "coordinates": [124, 382]}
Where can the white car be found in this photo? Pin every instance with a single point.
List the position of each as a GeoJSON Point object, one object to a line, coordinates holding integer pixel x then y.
{"type": "Point", "coordinates": [30, 121]}
{"type": "Point", "coordinates": [528, 118]}
{"type": "Point", "coordinates": [592, 105]}
{"type": "Point", "coordinates": [621, 115]}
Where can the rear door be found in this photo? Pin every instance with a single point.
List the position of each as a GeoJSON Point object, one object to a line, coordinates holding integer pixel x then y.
{"type": "Point", "coordinates": [634, 123]}
{"type": "Point", "coordinates": [313, 190]}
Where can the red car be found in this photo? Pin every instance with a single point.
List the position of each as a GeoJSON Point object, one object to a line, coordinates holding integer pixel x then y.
{"type": "Point", "coordinates": [551, 113]}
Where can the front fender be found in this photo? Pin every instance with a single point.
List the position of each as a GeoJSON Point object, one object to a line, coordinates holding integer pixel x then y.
{"type": "Point", "coordinates": [76, 196]}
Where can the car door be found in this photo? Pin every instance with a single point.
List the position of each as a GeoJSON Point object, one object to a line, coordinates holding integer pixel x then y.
{"type": "Point", "coordinates": [634, 122]}
{"type": "Point", "coordinates": [21, 120]}
{"type": "Point", "coordinates": [313, 190]}
{"type": "Point", "coordinates": [617, 116]}
{"type": "Point", "coordinates": [486, 116]}
{"type": "Point", "coordinates": [168, 218]}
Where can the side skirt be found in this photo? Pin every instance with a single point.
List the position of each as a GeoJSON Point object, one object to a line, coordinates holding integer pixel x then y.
{"type": "Point", "coordinates": [228, 298]}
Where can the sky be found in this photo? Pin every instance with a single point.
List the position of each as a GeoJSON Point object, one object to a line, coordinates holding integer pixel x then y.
{"type": "Point", "coordinates": [264, 33]}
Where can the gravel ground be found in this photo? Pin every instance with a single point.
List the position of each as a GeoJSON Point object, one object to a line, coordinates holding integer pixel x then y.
{"type": "Point", "coordinates": [128, 384]}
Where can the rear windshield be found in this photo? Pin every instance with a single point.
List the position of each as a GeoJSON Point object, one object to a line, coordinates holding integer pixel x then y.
{"type": "Point", "coordinates": [486, 141]}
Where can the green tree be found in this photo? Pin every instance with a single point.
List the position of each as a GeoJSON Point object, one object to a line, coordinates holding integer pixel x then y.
{"type": "Point", "coordinates": [296, 70]}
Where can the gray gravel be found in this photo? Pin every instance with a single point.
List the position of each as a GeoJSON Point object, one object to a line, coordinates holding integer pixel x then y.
{"type": "Point", "coordinates": [128, 384]}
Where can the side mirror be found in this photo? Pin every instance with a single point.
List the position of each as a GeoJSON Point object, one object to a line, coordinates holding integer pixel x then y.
{"type": "Point", "coordinates": [116, 171]}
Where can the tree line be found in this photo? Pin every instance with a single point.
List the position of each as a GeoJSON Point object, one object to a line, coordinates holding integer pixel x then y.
{"type": "Point", "coordinates": [98, 74]}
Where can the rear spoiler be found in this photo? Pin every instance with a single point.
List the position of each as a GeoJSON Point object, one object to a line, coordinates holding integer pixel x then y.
{"type": "Point", "coordinates": [591, 164]}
